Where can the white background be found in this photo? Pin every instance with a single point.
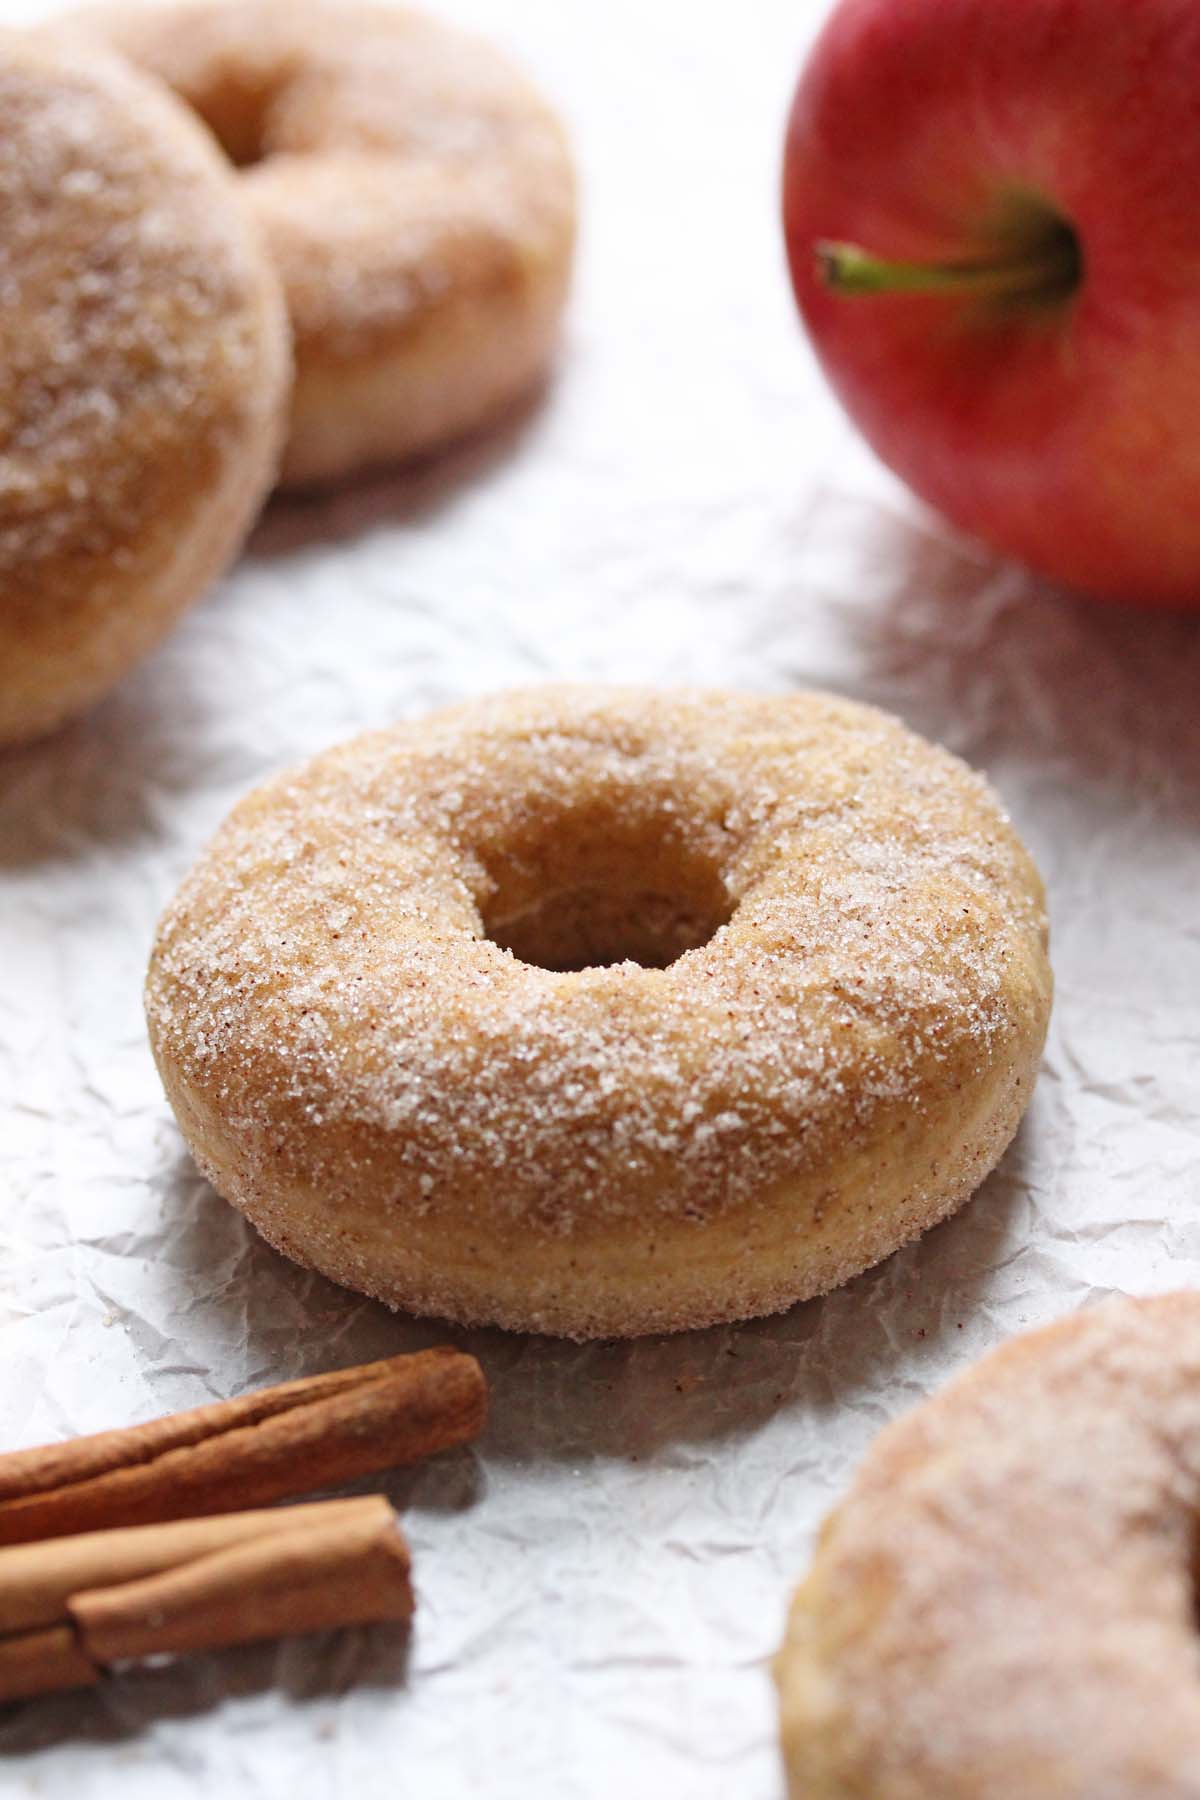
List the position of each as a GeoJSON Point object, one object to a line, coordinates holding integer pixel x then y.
{"type": "Point", "coordinates": [603, 1581]}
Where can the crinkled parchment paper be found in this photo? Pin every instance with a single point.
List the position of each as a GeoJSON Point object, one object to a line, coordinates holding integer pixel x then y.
{"type": "Point", "coordinates": [604, 1577]}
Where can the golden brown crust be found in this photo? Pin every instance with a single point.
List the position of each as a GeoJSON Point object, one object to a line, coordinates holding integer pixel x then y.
{"type": "Point", "coordinates": [1005, 1602]}
{"type": "Point", "coordinates": [399, 1101]}
{"type": "Point", "coordinates": [415, 193]}
{"type": "Point", "coordinates": [146, 365]}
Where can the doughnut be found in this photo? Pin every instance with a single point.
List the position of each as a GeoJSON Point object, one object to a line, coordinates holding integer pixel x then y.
{"type": "Point", "coordinates": [598, 1011]}
{"type": "Point", "coordinates": [1005, 1604]}
{"type": "Point", "coordinates": [416, 195]}
{"type": "Point", "coordinates": [146, 364]}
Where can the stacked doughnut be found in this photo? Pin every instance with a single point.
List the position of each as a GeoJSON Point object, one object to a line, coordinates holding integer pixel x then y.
{"type": "Point", "coordinates": [146, 367]}
{"type": "Point", "coordinates": [399, 220]}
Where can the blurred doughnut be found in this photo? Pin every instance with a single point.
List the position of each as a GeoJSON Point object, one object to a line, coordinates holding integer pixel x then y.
{"type": "Point", "coordinates": [145, 365]}
{"type": "Point", "coordinates": [1005, 1603]}
{"type": "Point", "coordinates": [416, 195]}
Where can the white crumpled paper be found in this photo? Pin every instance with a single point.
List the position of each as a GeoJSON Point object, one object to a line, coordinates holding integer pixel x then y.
{"type": "Point", "coordinates": [604, 1577]}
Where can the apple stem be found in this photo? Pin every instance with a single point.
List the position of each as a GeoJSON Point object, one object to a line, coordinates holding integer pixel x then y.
{"type": "Point", "coordinates": [1049, 272]}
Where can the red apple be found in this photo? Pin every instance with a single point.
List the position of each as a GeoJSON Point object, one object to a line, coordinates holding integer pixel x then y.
{"type": "Point", "coordinates": [992, 211]}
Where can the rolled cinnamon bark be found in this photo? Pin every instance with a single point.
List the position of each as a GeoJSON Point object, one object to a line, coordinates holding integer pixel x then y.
{"type": "Point", "coordinates": [38, 1580]}
{"type": "Point", "coordinates": [341, 1571]}
{"type": "Point", "coordinates": [281, 1441]}
{"type": "Point", "coordinates": [71, 1607]}
{"type": "Point", "coordinates": [44, 1662]}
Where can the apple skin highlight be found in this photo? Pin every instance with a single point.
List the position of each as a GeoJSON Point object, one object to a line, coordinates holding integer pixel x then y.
{"type": "Point", "coordinates": [1061, 425]}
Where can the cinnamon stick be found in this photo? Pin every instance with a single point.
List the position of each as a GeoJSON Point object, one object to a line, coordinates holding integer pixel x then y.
{"type": "Point", "coordinates": [37, 1580]}
{"type": "Point", "coordinates": [44, 1662]}
{"type": "Point", "coordinates": [351, 1570]}
{"type": "Point", "coordinates": [281, 1441]}
{"type": "Point", "coordinates": [70, 1608]}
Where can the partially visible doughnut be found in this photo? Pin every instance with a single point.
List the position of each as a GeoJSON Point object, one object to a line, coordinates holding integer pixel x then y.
{"type": "Point", "coordinates": [1004, 1607]}
{"type": "Point", "coordinates": [600, 1012]}
{"type": "Point", "coordinates": [416, 195]}
{"type": "Point", "coordinates": [144, 368]}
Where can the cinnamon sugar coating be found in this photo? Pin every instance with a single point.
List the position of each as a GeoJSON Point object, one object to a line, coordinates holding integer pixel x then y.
{"type": "Point", "coordinates": [1005, 1603]}
{"type": "Point", "coordinates": [416, 195]}
{"type": "Point", "coordinates": [145, 366]}
{"type": "Point", "coordinates": [825, 1040]}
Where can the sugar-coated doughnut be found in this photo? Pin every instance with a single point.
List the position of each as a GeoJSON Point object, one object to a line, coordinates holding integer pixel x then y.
{"type": "Point", "coordinates": [600, 1011]}
{"type": "Point", "coordinates": [1005, 1604]}
{"type": "Point", "coordinates": [415, 192]}
{"type": "Point", "coordinates": [144, 368]}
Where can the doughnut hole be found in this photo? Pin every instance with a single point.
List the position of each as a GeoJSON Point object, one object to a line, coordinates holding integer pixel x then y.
{"type": "Point", "coordinates": [622, 891]}
{"type": "Point", "coordinates": [236, 103]}
{"type": "Point", "coordinates": [253, 105]}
